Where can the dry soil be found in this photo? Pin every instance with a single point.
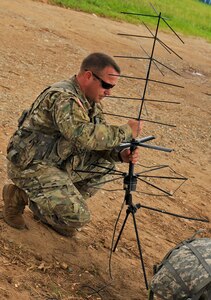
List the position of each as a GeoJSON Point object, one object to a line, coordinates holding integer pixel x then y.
{"type": "Point", "coordinates": [42, 44]}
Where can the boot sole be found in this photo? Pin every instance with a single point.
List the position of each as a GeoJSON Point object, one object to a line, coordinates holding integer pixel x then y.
{"type": "Point", "coordinates": [12, 225]}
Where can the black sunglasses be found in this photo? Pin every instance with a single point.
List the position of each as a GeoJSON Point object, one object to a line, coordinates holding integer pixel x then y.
{"type": "Point", "coordinates": [105, 85]}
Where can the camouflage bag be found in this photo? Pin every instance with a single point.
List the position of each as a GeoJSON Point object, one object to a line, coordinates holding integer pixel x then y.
{"type": "Point", "coordinates": [185, 272]}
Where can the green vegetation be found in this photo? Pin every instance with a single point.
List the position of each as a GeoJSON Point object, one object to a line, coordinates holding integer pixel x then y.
{"type": "Point", "coordinates": [190, 17]}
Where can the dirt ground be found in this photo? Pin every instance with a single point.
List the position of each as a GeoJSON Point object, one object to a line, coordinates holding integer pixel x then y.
{"type": "Point", "coordinates": [42, 44]}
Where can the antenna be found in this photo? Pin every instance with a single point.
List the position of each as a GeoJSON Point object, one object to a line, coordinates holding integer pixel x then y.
{"type": "Point", "coordinates": [130, 178]}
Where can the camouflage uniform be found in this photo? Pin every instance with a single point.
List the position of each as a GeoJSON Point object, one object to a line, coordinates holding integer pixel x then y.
{"type": "Point", "coordinates": [59, 136]}
{"type": "Point", "coordinates": [185, 272]}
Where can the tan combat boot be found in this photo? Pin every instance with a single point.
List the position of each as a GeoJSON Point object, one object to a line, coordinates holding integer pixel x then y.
{"type": "Point", "coordinates": [15, 200]}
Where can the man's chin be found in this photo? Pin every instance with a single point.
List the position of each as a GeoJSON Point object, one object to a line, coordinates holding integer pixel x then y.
{"type": "Point", "coordinates": [101, 98]}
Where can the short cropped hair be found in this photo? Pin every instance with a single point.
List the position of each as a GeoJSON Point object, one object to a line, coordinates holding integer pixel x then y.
{"type": "Point", "coordinates": [97, 61]}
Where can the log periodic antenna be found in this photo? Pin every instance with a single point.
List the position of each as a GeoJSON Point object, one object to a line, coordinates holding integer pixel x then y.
{"type": "Point", "coordinates": [131, 178]}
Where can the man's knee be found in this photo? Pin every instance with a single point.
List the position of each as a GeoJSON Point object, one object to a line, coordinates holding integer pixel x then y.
{"type": "Point", "coordinates": [75, 213]}
{"type": "Point", "coordinates": [68, 214]}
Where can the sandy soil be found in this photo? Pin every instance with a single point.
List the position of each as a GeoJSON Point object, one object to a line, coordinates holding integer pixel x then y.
{"type": "Point", "coordinates": [42, 44]}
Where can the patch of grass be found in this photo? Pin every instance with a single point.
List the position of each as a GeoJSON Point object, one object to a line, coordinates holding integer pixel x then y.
{"type": "Point", "coordinates": [190, 17]}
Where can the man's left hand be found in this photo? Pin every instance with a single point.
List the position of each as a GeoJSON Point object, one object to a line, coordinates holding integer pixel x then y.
{"type": "Point", "coordinates": [127, 156]}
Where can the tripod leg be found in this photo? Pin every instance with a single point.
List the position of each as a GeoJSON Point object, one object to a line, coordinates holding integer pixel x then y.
{"type": "Point", "coordinates": [140, 251]}
{"type": "Point", "coordinates": [120, 233]}
{"type": "Point", "coordinates": [151, 295]}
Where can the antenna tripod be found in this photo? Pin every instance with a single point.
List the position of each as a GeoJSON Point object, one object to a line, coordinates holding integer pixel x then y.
{"type": "Point", "coordinates": [130, 182]}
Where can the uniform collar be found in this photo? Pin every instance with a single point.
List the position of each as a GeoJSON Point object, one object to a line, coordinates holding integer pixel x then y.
{"type": "Point", "coordinates": [82, 97]}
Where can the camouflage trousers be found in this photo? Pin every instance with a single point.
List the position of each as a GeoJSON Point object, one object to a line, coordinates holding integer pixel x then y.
{"type": "Point", "coordinates": [57, 195]}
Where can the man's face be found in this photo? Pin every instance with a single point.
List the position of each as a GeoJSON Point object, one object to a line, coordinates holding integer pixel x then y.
{"type": "Point", "coordinates": [100, 84]}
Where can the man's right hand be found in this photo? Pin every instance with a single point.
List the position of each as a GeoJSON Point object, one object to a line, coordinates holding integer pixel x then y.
{"type": "Point", "coordinates": [136, 127]}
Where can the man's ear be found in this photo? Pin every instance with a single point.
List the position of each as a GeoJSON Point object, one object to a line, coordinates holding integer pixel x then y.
{"type": "Point", "coordinates": [88, 74]}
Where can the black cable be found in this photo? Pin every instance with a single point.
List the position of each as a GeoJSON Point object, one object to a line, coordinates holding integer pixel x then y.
{"type": "Point", "coordinates": [113, 236]}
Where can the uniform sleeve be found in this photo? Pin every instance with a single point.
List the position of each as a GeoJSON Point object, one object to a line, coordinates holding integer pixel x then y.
{"type": "Point", "coordinates": [73, 122]}
{"type": "Point", "coordinates": [111, 155]}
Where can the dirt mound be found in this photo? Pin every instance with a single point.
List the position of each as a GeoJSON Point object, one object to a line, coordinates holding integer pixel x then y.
{"type": "Point", "coordinates": [42, 44]}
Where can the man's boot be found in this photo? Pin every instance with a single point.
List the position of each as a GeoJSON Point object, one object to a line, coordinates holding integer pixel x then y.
{"type": "Point", "coordinates": [15, 200]}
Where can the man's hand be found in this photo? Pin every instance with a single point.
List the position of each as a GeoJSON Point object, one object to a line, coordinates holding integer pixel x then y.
{"type": "Point", "coordinates": [136, 127]}
{"type": "Point", "coordinates": [127, 156]}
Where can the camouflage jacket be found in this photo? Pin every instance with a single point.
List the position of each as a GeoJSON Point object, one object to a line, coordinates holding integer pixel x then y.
{"type": "Point", "coordinates": [62, 123]}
